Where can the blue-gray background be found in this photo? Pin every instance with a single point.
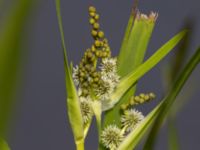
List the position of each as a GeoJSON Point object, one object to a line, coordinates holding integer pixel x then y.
{"type": "Point", "coordinates": [40, 119]}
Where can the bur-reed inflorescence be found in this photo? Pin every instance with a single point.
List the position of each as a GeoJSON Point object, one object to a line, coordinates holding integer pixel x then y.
{"type": "Point", "coordinates": [96, 75]}
{"type": "Point", "coordinates": [111, 137]}
{"type": "Point", "coordinates": [131, 119]}
{"type": "Point", "coordinates": [86, 109]}
{"type": "Point", "coordinates": [139, 99]}
{"type": "Point", "coordinates": [96, 78]}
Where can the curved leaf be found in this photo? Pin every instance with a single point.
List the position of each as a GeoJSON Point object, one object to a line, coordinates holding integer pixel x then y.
{"type": "Point", "coordinates": [161, 110]}
{"type": "Point", "coordinates": [171, 96]}
{"type": "Point", "coordinates": [131, 78]}
{"type": "Point", "coordinates": [73, 104]}
{"type": "Point", "coordinates": [132, 55]}
{"type": "Point", "coordinates": [11, 51]}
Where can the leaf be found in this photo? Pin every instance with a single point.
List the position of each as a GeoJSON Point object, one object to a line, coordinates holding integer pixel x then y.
{"type": "Point", "coordinates": [161, 110]}
{"type": "Point", "coordinates": [132, 53]}
{"type": "Point", "coordinates": [188, 69]}
{"type": "Point", "coordinates": [3, 145]}
{"type": "Point", "coordinates": [173, 135]}
{"type": "Point", "coordinates": [170, 71]}
{"type": "Point", "coordinates": [172, 68]}
{"type": "Point", "coordinates": [131, 78]}
{"type": "Point", "coordinates": [73, 104]}
{"type": "Point", "coordinates": [96, 106]}
{"type": "Point", "coordinates": [11, 52]}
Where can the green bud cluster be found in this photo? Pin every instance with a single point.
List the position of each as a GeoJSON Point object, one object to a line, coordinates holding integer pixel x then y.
{"type": "Point", "coordinates": [140, 99]}
{"type": "Point", "coordinates": [88, 76]}
{"type": "Point", "coordinates": [100, 47]}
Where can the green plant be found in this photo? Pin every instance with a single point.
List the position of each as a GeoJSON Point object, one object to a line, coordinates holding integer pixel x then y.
{"type": "Point", "coordinates": [110, 88]}
{"type": "Point", "coordinates": [11, 37]}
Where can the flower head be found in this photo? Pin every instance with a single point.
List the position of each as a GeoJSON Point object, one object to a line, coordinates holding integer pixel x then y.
{"type": "Point", "coordinates": [109, 65]}
{"type": "Point", "coordinates": [131, 119]}
{"type": "Point", "coordinates": [86, 109]}
{"type": "Point", "coordinates": [104, 90]}
{"type": "Point", "coordinates": [111, 137]}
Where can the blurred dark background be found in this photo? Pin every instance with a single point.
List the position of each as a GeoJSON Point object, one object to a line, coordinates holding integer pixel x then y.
{"type": "Point", "coordinates": [40, 120]}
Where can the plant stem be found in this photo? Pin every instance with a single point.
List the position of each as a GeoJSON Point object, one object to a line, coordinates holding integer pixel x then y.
{"type": "Point", "coordinates": [80, 145]}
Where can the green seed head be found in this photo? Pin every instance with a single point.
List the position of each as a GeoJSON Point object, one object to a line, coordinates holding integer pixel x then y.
{"type": "Point", "coordinates": [85, 92]}
{"type": "Point", "coordinates": [94, 33]}
{"type": "Point", "coordinates": [142, 95]}
{"type": "Point", "coordinates": [92, 21]}
{"type": "Point", "coordinates": [85, 84]}
{"type": "Point", "coordinates": [146, 97]}
{"type": "Point", "coordinates": [97, 53]}
{"type": "Point", "coordinates": [87, 67]}
{"type": "Point", "coordinates": [92, 9]}
{"type": "Point", "coordinates": [82, 74]}
{"type": "Point", "coordinates": [93, 48]}
{"type": "Point", "coordinates": [89, 54]}
{"type": "Point", "coordinates": [96, 26]}
{"type": "Point", "coordinates": [137, 98]}
{"type": "Point", "coordinates": [95, 74]}
{"type": "Point", "coordinates": [101, 34]}
{"type": "Point", "coordinates": [104, 54]}
{"type": "Point", "coordinates": [152, 95]}
{"type": "Point", "coordinates": [81, 79]}
{"type": "Point", "coordinates": [97, 43]}
{"type": "Point", "coordinates": [96, 17]}
{"type": "Point", "coordinates": [92, 14]}
{"type": "Point", "coordinates": [96, 79]}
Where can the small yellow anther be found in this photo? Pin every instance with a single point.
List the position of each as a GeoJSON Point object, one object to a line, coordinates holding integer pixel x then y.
{"type": "Point", "coordinates": [94, 33]}
{"type": "Point", "coordinates": [97, 43]}
{"type": "Point", "coordinates": [92, 21]}
{"type": "Point", "coordinates": [96, 26]}
{"type": "Point", "coordinates": [100, 34]}
{"type": "Point", "coordinates": [92, 14]}
{"type": "Point", "coordinates": [96, 17]}
{"type": "Point", "coordinates": [92, 9]}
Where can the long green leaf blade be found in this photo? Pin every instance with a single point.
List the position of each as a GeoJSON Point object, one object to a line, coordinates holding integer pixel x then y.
{"type": "Point", "coordinates": [11, 38]}
{"type": "Point", "coordinates": [160, 111]}
{"type": "Point", "coordinates": [173, 135]}
{"type": "Point", "coordinates": [172, 95]}
{"type": "Point", "coordinates": [74, 111]}
{"type": "Point", "coordinates": [170, 71]}
{"type": "Point", "coordinates": [131, 78]}
{"type": "Point", "coordinates": [131, 54]}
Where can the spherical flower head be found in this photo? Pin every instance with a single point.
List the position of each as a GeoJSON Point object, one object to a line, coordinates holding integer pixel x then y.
{"type": "Point", "coordinates": [86, 109]}
{"type": "Point", "coordinates": [113, 77]}
{"type": "Point", "coordinates": [131, 119]}
{"type": "Point", "coordinates": [75, 75]}
{"type": "Point", "coordinates": [109, 79]}
{"type": "Point", "coordinates": [109, 65]}
{"type": "Point", "coordinates": [104, 90]}
{"type": "Point", "coordinates": [111, 137]}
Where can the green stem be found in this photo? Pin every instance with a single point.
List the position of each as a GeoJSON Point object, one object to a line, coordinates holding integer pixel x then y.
{"type": "Point", "coordinates": [80, 145]}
